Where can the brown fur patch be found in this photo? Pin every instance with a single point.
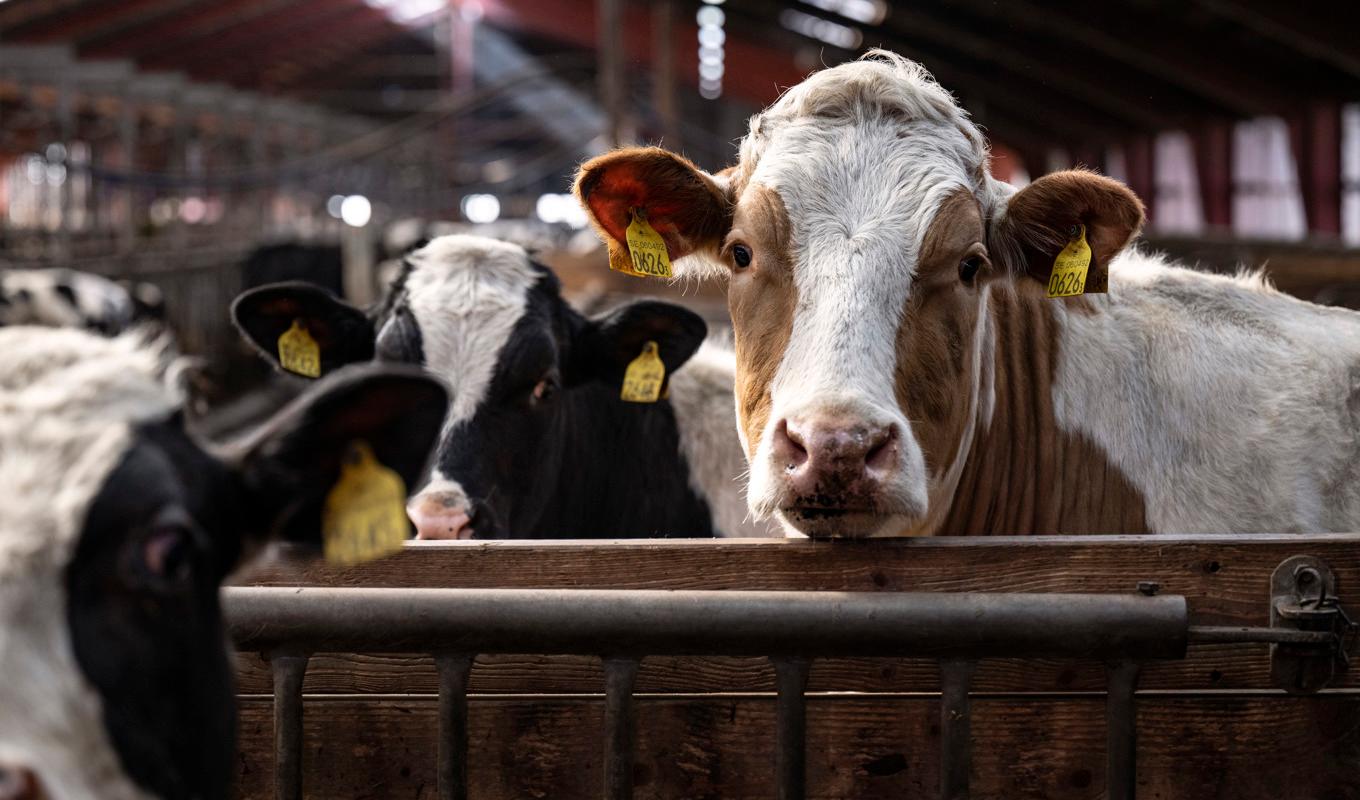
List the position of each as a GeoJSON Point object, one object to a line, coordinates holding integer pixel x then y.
{"type": "Point", "coordinates": [1023, 474]}
{"type": "Point", "coordinates": [761, 299]}
{"type": "Point", "coordinates": [935, 338]}
{"type": "Point", "coordinates": [683, 204]}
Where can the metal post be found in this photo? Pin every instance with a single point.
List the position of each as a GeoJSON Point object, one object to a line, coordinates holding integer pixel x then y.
{"type": "Point", "coordinates": [663, 70]}
{"type": "Point", "coordinates": [66, 128]}
{"type": "Point", "coordinates": [620, 675]}
{"type": "Point", "coordinates": [454, 669]}
{"type": "Point", "coordinates": [956, 728]}
{"type": "Point", "coordinates": [1121, 731]}
{"type": "Point", "coordinates": [790, 758]}
{"type": "Point", "coordinates": [288, 668]}
{"type": "Point", "coordinates": [610, 50]}
{"type": "Point", "coordinates": [128, 124]}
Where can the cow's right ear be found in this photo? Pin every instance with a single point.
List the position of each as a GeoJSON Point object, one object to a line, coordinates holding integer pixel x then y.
{"type": "Point", "coordinates": [343, 333]}
{"type": "Point", "coordinates": [689, 208]}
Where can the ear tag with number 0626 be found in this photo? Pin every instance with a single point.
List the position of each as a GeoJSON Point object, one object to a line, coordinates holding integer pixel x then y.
{"type": "Point", "coordinates": [298, 351]}
{"type": "Point", "coordinates": [365, 513]}
{"type": "Point", "coordinates": [646, 250]}
{"type": "Point", "coordinates": [1070, 267]}
{"type": "Point", "coordinates": [642, 381]}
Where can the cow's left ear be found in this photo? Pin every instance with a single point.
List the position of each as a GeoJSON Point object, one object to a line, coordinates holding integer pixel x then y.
{"type": "Point", "coordinates": [1038, 220]}
{"type": "Point", "coordinates": [603, 350]}
{"type": "Point", "coordinates": [293, 461]}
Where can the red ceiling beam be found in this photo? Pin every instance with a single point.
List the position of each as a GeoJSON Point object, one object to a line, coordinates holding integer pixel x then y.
{"type": "Point", "coordinates": [83, 23]}
{"type": "Point", "coordinates": [246, 45]}
{"type": "Point", "coordinates": [171, 32]}
{"type": "Point", "coordinates": [258, 55]}
{"type": "Point", "coordinates": [292, 74]}
{"type": "Point", "coordinates": [15, 16]}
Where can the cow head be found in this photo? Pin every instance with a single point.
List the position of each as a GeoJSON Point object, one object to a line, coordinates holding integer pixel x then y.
{"type": "Point", "coordinates": [861, 235]}
{"type": "Point", "coordinates": [525, 369]}
{"type": "Point", "coordinates": [117, 530]}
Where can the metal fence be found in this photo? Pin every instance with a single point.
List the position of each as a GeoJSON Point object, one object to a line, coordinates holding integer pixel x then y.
{"type": "Point", "coordinates": [791, 628]}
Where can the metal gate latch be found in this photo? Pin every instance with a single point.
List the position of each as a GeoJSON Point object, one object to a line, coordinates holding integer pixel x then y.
{"type": "Point", "coordinates": [1303, 599]}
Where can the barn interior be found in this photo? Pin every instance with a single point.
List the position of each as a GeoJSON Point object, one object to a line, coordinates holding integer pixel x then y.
{"type": "Point", "coordinates": [203, 148]}
{"type": "Point", "coordinates": [207, 147]}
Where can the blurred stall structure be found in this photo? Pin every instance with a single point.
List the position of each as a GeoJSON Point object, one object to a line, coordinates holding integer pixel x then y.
{"type": "Point", "coordinates": [168, 139]}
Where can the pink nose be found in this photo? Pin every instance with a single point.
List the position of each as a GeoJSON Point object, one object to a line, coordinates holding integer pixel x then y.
{"type": "Point", "coordinates": [440, 515]}
{"type": "Point", "coordinates": [18, 783]}
{"type": "Point", "coordinates": [831, 463]}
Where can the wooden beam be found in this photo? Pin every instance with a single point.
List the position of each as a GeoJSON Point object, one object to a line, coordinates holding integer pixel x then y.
{"type": "Point", "coordinates": [927, 30]}
{"type": "Point", "coordinates": [1213, 162]}
{"type": "Point", "coordinates": [91, 20]}
{"type": "Point", "coordinates": [1321, 31]}
{"type": "Point", "coordinates": [1149, 44]}
{"type": "Point", "coordinates": [1315, 137]}
{"type": "Point", "coordinates": [14, 17]}
{"type": "Point", "coordinates": [171, 32]}
{"type": "Point", "coordinates": [1142, 173]}
{"type": "Point", "coordinates": [251, 47]}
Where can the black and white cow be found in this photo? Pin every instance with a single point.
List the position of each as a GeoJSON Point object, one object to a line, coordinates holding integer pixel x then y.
{"type": "Point", "coordinates": [117, 529]}
{"type": "Point", "coordinates": [538, 443]}
{"type": "Point", "coordinates": [65, 298]}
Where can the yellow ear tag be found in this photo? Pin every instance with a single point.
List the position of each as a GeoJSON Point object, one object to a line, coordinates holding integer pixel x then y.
{"type": "Point", "coordinates": [298, 351]}
{"type": "Point", "coordinates": [642, 382]}
{"type": "Point", "coordinates": [1071, 265]}
{"type": "Point", "coordinates": [646, 249]}
{"type": "Point", "coordinates": [365, 513]}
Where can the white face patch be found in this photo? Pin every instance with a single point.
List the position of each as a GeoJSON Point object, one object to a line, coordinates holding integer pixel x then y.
{"type": "Point", "coordinates": [860, 199]}
{"type": "Point", "coordinates": [67, 403]}
{"type": "Point", "coordinates": [467, 293]}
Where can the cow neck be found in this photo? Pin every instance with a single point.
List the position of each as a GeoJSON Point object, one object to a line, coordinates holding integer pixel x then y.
{"type": "Point", "coordinates": [1023, 474]}
{"type": "Point", "coordinates": [622, 474]}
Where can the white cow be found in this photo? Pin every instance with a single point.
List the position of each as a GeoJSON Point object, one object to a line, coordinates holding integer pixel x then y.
{"type": "Point", "coordinates": [901, 370]}
{"type": "Point", "coordinates": [115, 533]}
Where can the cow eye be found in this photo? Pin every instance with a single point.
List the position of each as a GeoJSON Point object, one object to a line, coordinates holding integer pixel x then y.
{"type": "Point", "coordinates": [970, 266]}
{"type": "Point", "coordinates": [163, 558]}
{"type": "Point", "coordinates": [741, 256]}
{"type": "Point", "coordinates": [545, 391]}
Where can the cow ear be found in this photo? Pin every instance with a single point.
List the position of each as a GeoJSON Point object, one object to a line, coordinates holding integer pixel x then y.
{"type": "Point", "coordinates": [292, 462]}
{"type": "Point", "coordinates": [1039, 219]}
{"type": "Point", "coordinates": [608, 344]}
{"type": "Point", "coordinates": [689, 208]}
{"type": "Point", "coordinates": [343, 333]}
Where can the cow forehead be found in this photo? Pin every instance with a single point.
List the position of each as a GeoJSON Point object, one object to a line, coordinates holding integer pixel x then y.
{"type": "Point", "coordinates": [467, 294]}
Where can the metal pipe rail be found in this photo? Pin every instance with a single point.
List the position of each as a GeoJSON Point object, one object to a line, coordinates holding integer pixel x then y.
{"type": "Point", "coordinates": [288, 624]}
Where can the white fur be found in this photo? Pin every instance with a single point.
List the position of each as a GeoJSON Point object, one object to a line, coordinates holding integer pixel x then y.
{"type": "Point", "coordinates": [1230, 406]}
{"type": "Point", "coordinates": [67, 403]}
{"type": "Point", "coordinates": [467, 293]}
{"type": "Point", "coordinates": [97, 300]}
{"type": "Point", "coordinates": [862, 156]}
{"type": "Point", "coordinates": [702, 396]}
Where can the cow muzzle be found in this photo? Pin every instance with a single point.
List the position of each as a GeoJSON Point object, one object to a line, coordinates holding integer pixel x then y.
{"type": "Point", "coordinates": [442, 510]}
{"type": "Point", "coordinates": [19, 783]}
{"type": "Point", "coordinates": [843, 475]}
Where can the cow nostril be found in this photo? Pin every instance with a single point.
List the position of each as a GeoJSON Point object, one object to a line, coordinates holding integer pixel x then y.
{"type": "Point", "coordinates": [881, 449]}
{"type": "Point", "coordinates": [17, 783]}
{"type": "Point", "coordinates": [790, 446]}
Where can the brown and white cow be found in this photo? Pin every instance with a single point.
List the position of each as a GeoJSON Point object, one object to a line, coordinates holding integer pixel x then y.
{"type": "Point", "coordinates": [902, 372]}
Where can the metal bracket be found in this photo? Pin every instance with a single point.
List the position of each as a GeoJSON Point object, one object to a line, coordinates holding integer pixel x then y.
{"type": "Point", "coordinates": [1303, 598]}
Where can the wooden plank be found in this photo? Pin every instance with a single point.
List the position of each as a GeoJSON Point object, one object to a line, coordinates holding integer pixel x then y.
{"type": "Point", "coordinates": [1225, 579]}
{"type": "Point", "coordinates": [1245, 748]}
